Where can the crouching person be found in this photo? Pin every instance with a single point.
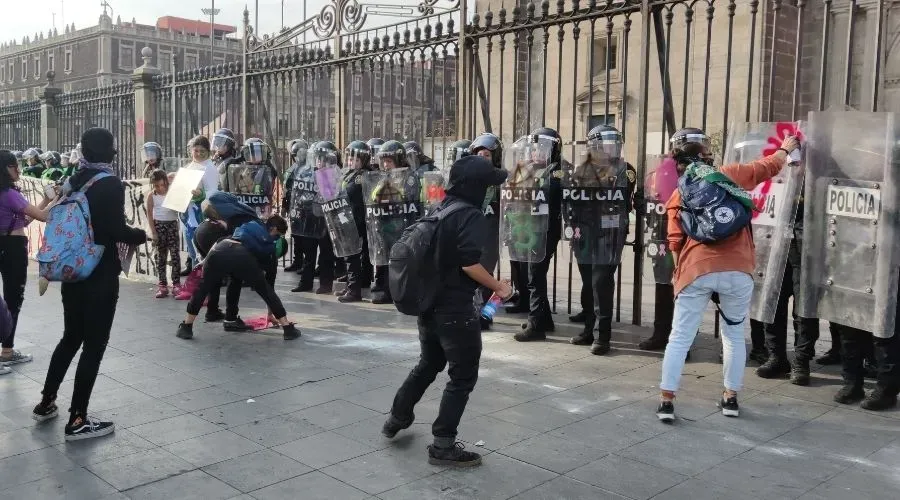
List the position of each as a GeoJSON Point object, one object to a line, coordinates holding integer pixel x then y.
{"type": "Point", "coordinates": [449, 330]}
{"type": "Point", "coordinates": [243, 256]}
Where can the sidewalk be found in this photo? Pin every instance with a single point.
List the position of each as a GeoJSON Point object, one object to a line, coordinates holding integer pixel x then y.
{"type": "Point", "coordinates": [252, 416]}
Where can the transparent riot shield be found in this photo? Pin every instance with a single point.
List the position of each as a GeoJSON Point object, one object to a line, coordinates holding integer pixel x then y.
{"type": "Point", "coordinates": [253, 184]}
{"type": "Point", "coordinates": [776, 203]}
{"type": "Point", "coordinates": [850, 253]}
{"type": "Point", "coordinates": [305, 211]}
{"type": "Point", "coordinates": [656, 223]}
{"type": "Point", "coordinates": [595, 205]}
{"type": "Point", "coordinates": [392, 204]}
{"type": "Point", "coordinates": [433, 189]}
{"type": "Point", "coordinates": [524, 207]}
{"type": "Point", "coordinates": [337, 212]}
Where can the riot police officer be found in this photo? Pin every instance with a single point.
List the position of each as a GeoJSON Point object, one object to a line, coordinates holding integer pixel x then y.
{"type": "Point", "coordinates": [374, 144]}
{"type": "Point", "coordinates": [34, 166]}
{"type": "Point", "coordinates": [549, 171]}
{"type": "Point", "coordinates": [252, 177]}
{"type": "Point", "coordinates": [53, 170]}
{"type": "Point", "coordinates": [307, 216]}
{"type": "Point", "coordinates": [600, 260]}
{"type": "Point", "coordinates": [151, 154]}
{"type": "Point", "coordinates": [297, 150]}
{"type": "Point", "coordinates": [357, 161]}
{"type": "Point", "coordinates": [455, 151]}
{"type": "Point", "coordinates": [489, 146]}
{"type": "Point", "coordinates": [416, 157]}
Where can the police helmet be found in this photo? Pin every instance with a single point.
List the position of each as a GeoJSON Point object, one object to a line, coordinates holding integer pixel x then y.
{"type": "Point", "coordinates": [298, 148]}
{"type": "Point", "coordinates": [324, 149]}
{"type": "Point", "coordinates": [358, 149]}
{"type": "Point", "coordinates": [393, 150]}
{"type": "Point", "coordinates": [375, 144]}
{"type": "Point", "coordinates": [548, 134]}
{"type": "Point", "coordinates": [51, 159]}
{"type": "Point", "coordinates": [255, 151]}
{"type": "Point", "coordinates": [456, 151]}
{"type": "Point", "coordinates": [687, 136]}
{"type": "Point", "coordinates": [31, 154]}
{"type": "Point", "coordinates": [490, 142]}
{"type": "Point", "coordinates": [223, 141]}
{"type": "Point", "coordinates": [606, 138]}
{"type": "Point", "coordinates": [151, 151]}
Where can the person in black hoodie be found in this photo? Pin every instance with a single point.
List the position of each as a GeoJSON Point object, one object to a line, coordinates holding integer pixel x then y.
{"type": "Point", "coordinates": [90, 305]}
{"type": "Point", "coordinates": [450, 333]}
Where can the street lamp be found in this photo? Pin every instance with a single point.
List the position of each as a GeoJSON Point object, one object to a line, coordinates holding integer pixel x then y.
{"type": "Point", "coordinates": [211, 12]}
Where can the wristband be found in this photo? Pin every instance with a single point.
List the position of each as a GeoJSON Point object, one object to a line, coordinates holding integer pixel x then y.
{"type": "Point", "coordinates": [785, 151]}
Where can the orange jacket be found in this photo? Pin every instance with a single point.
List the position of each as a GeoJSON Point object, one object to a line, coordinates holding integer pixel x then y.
{"type": "Point", "coordinates": [737, 252]}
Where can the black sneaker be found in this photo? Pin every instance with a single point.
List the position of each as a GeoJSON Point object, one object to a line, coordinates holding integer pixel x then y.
{"type": "Point", "coordinates": [45, 411]}
{"type": "Point", "coordinates": [849, 394]}
{"type": "Point", "coordinates": [290, 332]}
{"type": "Point", "coordinates": [666, 412]}
{"type": "Point", "coordinates": [185, 331]}
{"type": "Point", "coordinates": [531, 333]}
{"type": "Point", "coordinates": [832, 357]}
{"type": "Point", "coordinates": [302, 288]}
{"type": "Point", "coordinates": [381, 298]}
{"type": "Point", "coordinates": [324, 289]}
{"type": "Point", "coordinates": [600, 348]}
{"type": "Point", "coordinates": [880, 399]}
{"type": "Point", "coordinates": [760, 356]}
{"type": "Point", "coordinates": [89, 428]}
{"type": "Point", "coordinates": [342, 279]}
{"type": "Point", "coordinates": [236, 325]}
{"type": "Point", "coordinates": [348, 297]}
{"type": "Point", "coordinates": [394, 425]}
{"type": "Point", "coordinates": [729, 406]}
{"type": "Point", "coordinates": [294, 267]}
{"type": "Point", "coordinates": [485, 323]}
{"type": "Point", "coordinates": [653, 343]}
{"type": "Point", "coordinates": [456, 456]}
{"type": "Point", "coordinates": [578, 318]}
{"type": "Point", "coordinates": [214, 316]}
{"type": "Point", "coordinates": [584, 338]}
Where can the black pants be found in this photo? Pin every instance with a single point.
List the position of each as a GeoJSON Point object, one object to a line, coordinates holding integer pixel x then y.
{"type": "Point", "coordinates": [855, 345]}
{"type": "Point", "coordinates": [381, 283]}
{"type": "Point", "coordinates": [518, 272]}
{"type": "Point", "coordinates": [603, 284]}
{"type": "Point", "coordinates": [587, 293]}
{"type": "Point", "coordinates": [664, 310]}
{"type": "Point", "coordinates": [232, 298]}
{"type": "Point", "coordinates": [14, 270]}
{"type": "Point", "coordinates": [453, 339]}
{"type": "Point", "coordinates": [89, 307]}
{"type": "Point", "coordinates": [539, 303]}
{"type": "Point", "coordinates": [296, 250]}
{"type": "Point", "coordinates": [231, 259]}
{"type": "Point", "coordinates": [359, 269]}
{"type": "Point", "coordinates": [310, 247]}
{"type": "Point", "coordinates": [806, 330]}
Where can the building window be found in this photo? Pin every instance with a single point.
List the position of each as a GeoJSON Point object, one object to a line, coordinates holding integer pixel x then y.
{"type": "Point", "coordinates": [68, 62]}
{"type": "Point", "coordinates": [600, 54]}
{"type": "Point", "coordinates": [377, 85]}
{"type": "Point", "coordinates": [37, 67]}
{"type": "Point", "coordinates": [357, 126]}
{"type": "Point", "coordinates": [24, 94]}
{"type": "Point", "coordinates": [376, 127]}
{"type": "Point", "coordinates": [24, 69]}
{"type": "Point", "coordinates": [126, 56]}
{"type": "Point", "coordinates": [191, 61]}
{"type": "Point", "coordinates": [51, 61]}
{"type": "Point", "coordinates": [357, 84]}
{"type": "Point", "coordinates": [2, 74]}
{"type": "Point", "coordinates": [283, 125]}
{"type": "Point", "coordinates": [398, 88]}
{"type": "Point", "coordinates": [398, 126]}
{"type": "Point", "coordinates": [218, 59]}
{"type": "Point", "coordinates": [596, 120]}
{"type": "Point", "coordinates": [164, 60]}
{"type": "Point", "coordinates": [419, 89]}
{"type": "Point", "coordinates": [10, 76]}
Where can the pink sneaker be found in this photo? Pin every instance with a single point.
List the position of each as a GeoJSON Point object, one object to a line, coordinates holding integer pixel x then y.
{"type": "Point", "coordinates": [162, 292]}
{"type": "Point", "coordinates": [183, 296]}
{"type": "Point", "coordinates": [176, 290]}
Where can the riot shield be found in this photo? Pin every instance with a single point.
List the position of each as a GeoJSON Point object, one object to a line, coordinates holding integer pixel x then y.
{"type": "Point", "coordinates": [776, 203]}
{"type": "Point", "coordinates": [305, 213]}
{"type": "Point", "coordinates": [850, 253]}
{"type": "Point", "coordinates": [392, 204]}
{"type": "Point", "coordinates": [432, 189]}
{"type": "Point", "coordinates": [656, 223]}
{"type": "Point", "coordinates": [337, 212]}
{"type": "Point", "coordinates": [253, 184]}
{"type": "Point", "coordinates": [524, 208]}
{"type": "Point", "coordinates": [595, 205]}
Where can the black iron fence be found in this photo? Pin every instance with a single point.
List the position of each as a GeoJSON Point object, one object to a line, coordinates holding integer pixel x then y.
{"type": "Point", "coordinates": [20, 126]}
{"type": "Point", "coordinates": [648, 67]}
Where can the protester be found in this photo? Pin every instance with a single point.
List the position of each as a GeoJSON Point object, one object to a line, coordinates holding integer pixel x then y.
{"type": "Point", "coordinates": [192, 217]}
{"type": "Point", "coordinates": [15, 214]}
{"type": "Point", "coordinates": [450, 332]}
{"type": "Point", "coordinates": [703, 269]}
{"type": "Point", "coordinates": [244, 255]}
{"type": "Point", "coordinates": [163, 224]}
{"type": "Point", "coordinates": [90, 305]}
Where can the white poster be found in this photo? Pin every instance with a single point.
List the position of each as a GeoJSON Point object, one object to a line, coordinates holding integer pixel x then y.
{"type": "Point", "coordinates": [180, 190]}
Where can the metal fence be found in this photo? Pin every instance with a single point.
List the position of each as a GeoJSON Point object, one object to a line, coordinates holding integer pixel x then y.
{"type": "Point", "coordinates": [109, 107]}
{"type": "Point", "coordinates": [20, 126]}
{"type": "Point", "coordinates": [649, 67]}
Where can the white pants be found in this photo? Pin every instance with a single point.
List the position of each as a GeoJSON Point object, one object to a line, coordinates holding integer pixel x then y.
{"type": "Point", "coordinates": [735, 290]}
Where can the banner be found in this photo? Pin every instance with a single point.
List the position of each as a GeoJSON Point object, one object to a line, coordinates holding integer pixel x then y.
{"type": "Point", "coordinates": [141, 266]}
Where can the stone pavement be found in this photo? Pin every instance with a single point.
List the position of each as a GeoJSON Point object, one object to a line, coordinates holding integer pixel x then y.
{"type": "Point", "coordinates": [252, 416]}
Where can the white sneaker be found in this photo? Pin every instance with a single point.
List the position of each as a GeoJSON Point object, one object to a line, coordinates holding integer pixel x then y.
{"type": "Point", "coordinates": [4, 370]}
{"type": "Point", "coordinates": [17, 357]}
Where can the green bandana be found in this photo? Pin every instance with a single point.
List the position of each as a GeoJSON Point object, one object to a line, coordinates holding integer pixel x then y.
{"type": "Point", "coordinates": [714, 176]}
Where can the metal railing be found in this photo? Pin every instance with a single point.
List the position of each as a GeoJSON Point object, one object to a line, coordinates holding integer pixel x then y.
{"type": "Point", "coordinates": [20, 126]}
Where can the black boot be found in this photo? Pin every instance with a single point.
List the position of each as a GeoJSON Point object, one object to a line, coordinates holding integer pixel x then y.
{"type": "Point", "coordinates": [485, 323]}
{"type": "Point", "coordinates": [832, 357]}
{"type": "Point", "coordinates": [586, 337]}
{"type": "Point", "coordinates": [849, 394]}
{"type": "Point", "coordinates": [393, 425]}
{"type": "Point", "coordinates": [760, 355]}
{"type": "Point", "coordinates": [871, 369]}
{"type": "Point", "coordinates": [302, 287]}
{"type": "Point", "coordinates": [349, 296]}
{"type": "Point", "coordinates": [599, 348]}
{"type": "Point", "coordinates": [185, 331]}
{"type": "Point", "coordinates": [578, 318]}
{"type": "Point", "coordinates": [800, 372]}
{"type": "Point", "coordinates": [882, 398]}
{"type": "Point", "coordinates": [654, 343]}
{"type": "Point", "coordinates": [381, 297]}
{"type": "Point", "coordinates": [775, 367]}
{"type": "Point", "coordinates": [294, 267]}
{"type": "Point", "coordinates": [532, 332]}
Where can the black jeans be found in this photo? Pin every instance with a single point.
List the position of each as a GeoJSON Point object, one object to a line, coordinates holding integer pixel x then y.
{"type": "Point", "coordinates": [89, 307]}
{"type": "Point", "coordinates": [664, 310]}
{"type": "Point", "coordinates": [587, 293]}
{"type": "Point", "coordinates": [310, 246]}
{"type": "Point", "coordinates": [453, 339]}
{"type": "Point", "coordinates": [855, 345]}
{"type": "Point", "coordinates": [539, 303]}
{"type": "Point", "coordinates": [231, 259]}
{"type": "Point", "coordinates": [603, 283]}
{"type": "Point", "coordinates": [232, 297]}
{"type": "Point", "coordinates": [518, 272]}
{"type": "Point", "coordinates": [14, 270]}
{"type": "Point", "coordinates": [359, 269]}
{"type": "Point", "coordinates": [296, 250]}
{"type": "Point", "coordinates": [805, 329]}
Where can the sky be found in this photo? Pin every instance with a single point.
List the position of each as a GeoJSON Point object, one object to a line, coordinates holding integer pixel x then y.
{"type": "Point", "coordinates": [38, 15]}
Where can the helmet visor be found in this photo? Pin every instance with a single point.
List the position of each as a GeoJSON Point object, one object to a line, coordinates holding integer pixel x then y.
{"type": "Point", "coordinates": [255, 152]}
{"type": "Point", "coordinates": [356, 159]}
{"type": "Point", "coordinates": [696, 138]}
{"type": "Point", "coordinates": [222, 142]}
{"type": "Point", "coordinates": [150, 153]}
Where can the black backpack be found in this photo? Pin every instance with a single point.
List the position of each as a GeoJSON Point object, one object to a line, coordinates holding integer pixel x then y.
{"type": "Point", "coordinates": [414, 277]}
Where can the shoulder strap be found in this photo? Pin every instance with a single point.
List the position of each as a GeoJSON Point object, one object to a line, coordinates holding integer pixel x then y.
{"type": "Point", "coordinates": [92, 180]}
{"type": "Point", "coordinates": [455, 206]}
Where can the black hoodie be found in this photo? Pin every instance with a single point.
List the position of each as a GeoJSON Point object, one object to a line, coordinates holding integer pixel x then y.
{"type": "Point", "coordinates": [462, 234]}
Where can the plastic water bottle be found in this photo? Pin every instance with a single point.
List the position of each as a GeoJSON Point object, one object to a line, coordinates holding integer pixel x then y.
{"type": "Point", "coordinates": [490, 307]}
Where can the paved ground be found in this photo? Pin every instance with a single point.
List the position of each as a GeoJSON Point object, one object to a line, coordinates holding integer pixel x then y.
{"type": "Point", "coordinates": [251, 416]}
